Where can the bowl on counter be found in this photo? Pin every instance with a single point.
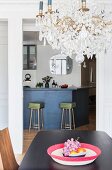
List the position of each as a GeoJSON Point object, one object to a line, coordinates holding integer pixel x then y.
{"type": "Point", "coordinates": [64, 86]}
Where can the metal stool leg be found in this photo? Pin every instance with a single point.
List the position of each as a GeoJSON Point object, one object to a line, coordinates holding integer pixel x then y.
{"type": "Point", "coordinates": [65, 118]}
{"type": "Point", "coordinates": [73, 118]}
{"type": "Point", "coordinates": [42, 118]}
{"type": "Point", "coordinates": [70, 119]}
{"type": "Point", "coordinates": [34, 122]}
{"type": "Point", "coordinates": [38, 119]}
{"type": "Point", "coordinates": [30, 119]}
{"type": "Point", "coordinates": [62, 118]}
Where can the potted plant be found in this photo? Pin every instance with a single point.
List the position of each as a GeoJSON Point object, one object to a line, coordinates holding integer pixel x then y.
{"type": "Point", "coordinates": [46, 80]}
{"type": "Point", "coordinates": [39, 85]}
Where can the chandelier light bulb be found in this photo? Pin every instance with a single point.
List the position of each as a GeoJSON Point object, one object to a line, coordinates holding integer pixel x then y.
{"type": "Point", "coordinates": [41, 6]}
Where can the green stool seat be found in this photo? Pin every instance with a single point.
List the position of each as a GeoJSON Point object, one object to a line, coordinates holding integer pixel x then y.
{"type": "Point", "coordinates": [67, 105]}
{"type": "Point", "coordinates": [68, 117]}
{"type": "Point", "coordinates": [35, 105]}
{"type": "Point", "coordinates": [36, 115]}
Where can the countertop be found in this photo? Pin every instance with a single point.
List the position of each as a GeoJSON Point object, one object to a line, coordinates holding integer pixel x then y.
{"type": "Point", "coordinates": [58, 89]}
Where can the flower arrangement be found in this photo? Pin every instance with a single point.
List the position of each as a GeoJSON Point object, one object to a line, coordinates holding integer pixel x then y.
{"type": "Point", "coordinates": [46, 79]}
{"type": "Point", "coordinates": [70, 146]}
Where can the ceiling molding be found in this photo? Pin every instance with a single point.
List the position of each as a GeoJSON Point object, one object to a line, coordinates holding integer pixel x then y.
{"type": "Point", "coordinates": [19, 2]}
{"type": "Point", "coordinates": [37, 1]}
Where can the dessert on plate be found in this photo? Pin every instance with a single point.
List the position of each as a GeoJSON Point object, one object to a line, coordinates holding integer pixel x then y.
{"type": "Point", "coordinates": [72, 148]}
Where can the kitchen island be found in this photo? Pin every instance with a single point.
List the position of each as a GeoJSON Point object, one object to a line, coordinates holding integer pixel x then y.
{"type": "Point", "coordinates": [52, 97]}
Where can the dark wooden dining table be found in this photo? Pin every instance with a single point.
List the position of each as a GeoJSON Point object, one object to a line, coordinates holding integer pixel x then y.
{"type": "Point", "coordinates": [36, 158]}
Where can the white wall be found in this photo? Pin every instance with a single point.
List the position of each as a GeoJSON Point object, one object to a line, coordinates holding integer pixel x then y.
{"type": "Point", "coordinates": [44, 53]}
{"type": "Point", "coordinates": [104, 92]}
{"type": "Point", "coordinates": [15, 89]}
{"type": "Point", "coordinates": [3, 75]}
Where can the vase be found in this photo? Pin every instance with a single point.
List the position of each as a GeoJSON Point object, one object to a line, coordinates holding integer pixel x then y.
{"type": "Point", "coordinates": [46, 85]}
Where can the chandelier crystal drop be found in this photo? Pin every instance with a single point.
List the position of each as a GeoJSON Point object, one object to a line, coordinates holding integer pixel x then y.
{"type": "Point", "coordinates": [75, 27]}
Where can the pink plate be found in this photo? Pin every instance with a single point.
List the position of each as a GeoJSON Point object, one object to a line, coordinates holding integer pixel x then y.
{"type": "Point", "coordinates": [56, 153]}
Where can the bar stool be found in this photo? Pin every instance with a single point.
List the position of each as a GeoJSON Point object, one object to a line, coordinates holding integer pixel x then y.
{"type": "Point", "coordinates": [36, 115]}
{"type": "Point", "coordinates": [67, 115]}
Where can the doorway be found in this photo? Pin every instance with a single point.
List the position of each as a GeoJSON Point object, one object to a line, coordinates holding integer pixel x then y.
{"type": "Point", "coordinates": [88, 78]}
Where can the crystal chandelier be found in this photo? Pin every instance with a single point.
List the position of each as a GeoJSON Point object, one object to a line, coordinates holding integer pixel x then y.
{"type": "Point", "coordinates": [75, 28]}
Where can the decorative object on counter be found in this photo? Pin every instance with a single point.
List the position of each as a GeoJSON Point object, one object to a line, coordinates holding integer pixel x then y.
{"type": "Point", "coordinates": [76, 27]}
{"type": "Point", "coordinates": [27, 77]}
{"type": "Point", "coordinates": [46, 80]}
{"type": "Point", "coordinates": [64, 86]}
{"type": "Point", "coordinates": [26, 86]}
{"type": "Point", "coordinates": [56, 85]}
{"type": "Point", "coordinates": [46, 85]}
{"type": "Point", "coordinates": [39, 85]}
{"type": "Point", "coordinates": [53, 83]}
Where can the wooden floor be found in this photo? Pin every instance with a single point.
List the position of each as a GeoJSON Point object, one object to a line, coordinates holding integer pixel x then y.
{"type": "Point", "coordinates": [92, 122]}
{"type": "Point", "coordinates": [28, 137]}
